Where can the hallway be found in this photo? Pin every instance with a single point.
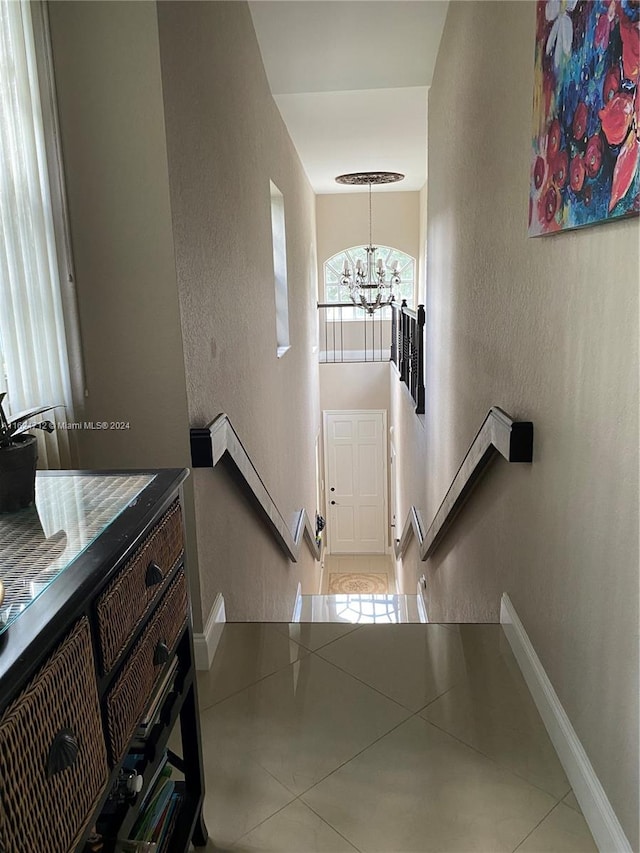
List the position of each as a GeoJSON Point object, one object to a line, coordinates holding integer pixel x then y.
{"type": "Point", "coordinates": [325, 737]}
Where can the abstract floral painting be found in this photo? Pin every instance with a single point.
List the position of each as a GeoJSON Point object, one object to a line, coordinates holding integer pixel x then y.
{"type": "Point", "coordinates": [586, 122]}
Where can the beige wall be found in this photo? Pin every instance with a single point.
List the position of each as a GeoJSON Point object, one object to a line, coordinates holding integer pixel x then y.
{"type": "Point", "coordinates": [107, 67]}
{"type": "Point", "coordinates": [546, 328]}
{"type": "Point", "coordinates": [354, 386]}
{"type": "Point", "coordinates": [422, 250]}
{"type": "Point", "coordinates": [226, 141]}
{"type": "Point", "coordinates": [407, 436]}
{"type": "Point", "coordinates": [343, 221]}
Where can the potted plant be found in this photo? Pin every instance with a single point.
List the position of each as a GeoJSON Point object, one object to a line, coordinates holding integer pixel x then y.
{"type": "Point", "coordinates": [18, 457]}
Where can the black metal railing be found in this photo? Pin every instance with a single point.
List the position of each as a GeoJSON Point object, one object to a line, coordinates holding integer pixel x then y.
{"type": "Point", "coordinates": [347, 333]}
{"type": "Point", "coordinates": [407, 349]}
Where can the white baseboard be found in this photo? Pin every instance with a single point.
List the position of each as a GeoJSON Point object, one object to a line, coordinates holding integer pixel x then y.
{"type": "Point", "coordinates": [596, 808]}
{"type": "Point", "coordinates": [205, 645]}
{"type": "Point", "coordinates": [297, 606]}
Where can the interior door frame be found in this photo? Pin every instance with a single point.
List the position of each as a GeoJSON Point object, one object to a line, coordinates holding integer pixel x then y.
{"type": "Point", "coordinates": [385, 468]}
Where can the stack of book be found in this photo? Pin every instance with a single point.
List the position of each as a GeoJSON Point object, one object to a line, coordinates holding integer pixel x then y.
{"type": "Point", "coordinates": [157, 817]}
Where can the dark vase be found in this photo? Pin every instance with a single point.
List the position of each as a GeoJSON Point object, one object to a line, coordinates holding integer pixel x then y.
{"type": "Point", "coordinates": [18, 473]}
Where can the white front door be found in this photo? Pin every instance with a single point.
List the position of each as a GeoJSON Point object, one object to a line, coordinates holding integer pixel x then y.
{"type": "Point", "coordinates": [355, 445]}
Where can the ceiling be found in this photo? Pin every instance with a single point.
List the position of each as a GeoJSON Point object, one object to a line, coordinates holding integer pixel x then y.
{"type": "Point", "coordinates": [350, 80]}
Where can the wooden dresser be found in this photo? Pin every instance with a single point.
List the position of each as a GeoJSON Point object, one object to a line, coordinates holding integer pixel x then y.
{"type": "Point", "coordinates": [95, 631]}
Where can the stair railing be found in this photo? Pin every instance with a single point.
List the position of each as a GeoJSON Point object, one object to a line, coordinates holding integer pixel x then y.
{"type": "Point", "coordinates": [499, 433]}
{"type": "Point", "coordinates": [218, 441]}
{"type": "Point", "coordinates": [347, 334]}
{"type": "Point", "coordinates": [407, 349]}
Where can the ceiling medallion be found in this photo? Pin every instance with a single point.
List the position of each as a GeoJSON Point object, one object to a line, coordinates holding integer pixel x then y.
{"type": "Point", "coordinates": [363, 178]}
{"type": "Point", "coordinates": [367, 282]}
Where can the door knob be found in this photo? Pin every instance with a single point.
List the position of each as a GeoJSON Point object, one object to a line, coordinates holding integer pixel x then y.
{"type": "Point", "coordinates": [332, 503]}
{"type": "Point", "coordinates": [332, 489]}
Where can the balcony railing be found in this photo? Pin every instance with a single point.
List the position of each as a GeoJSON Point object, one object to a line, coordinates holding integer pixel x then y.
{"type": "Point", "coordinates": [348, 334]}
{"type": "Point", "coordinates": [407, 349]}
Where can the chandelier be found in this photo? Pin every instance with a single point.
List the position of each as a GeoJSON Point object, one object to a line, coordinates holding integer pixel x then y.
{"type": "Point", "coordinates": [368, 285]}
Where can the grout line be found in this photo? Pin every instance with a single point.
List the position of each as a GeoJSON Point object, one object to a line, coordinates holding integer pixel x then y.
{"type": "Point", "coordinates": [490, 758]}
{"type": "Point", "coordinates": [535, 827]}
{"type": "Point", "coordinates": [264, 820]}
{"type": "Point", "coordinates": [246, 687]}
{"type": "Point", "coordinates": [329, 825]}
{"type": "Point", "coordinates": [564, 800]}
{"type": "Point", "coordinates": [308, 654]}
{"type": "Point", "coordinates": [415, 714]}
{"type": "Point", "coordinates": [360, 681]}
{"type": "Point", "coordinates": [347, 760]}
{"type": "Point", "coordinates": [257, 681]}
{"type": "Point", "coordinates": [272, 625]}
{"type": "Point", "coordinates": [356, 755]}
{"type": "Point", "coordinates": [354, 627]}
{"type": "Point", "coordinates": [439, 696]}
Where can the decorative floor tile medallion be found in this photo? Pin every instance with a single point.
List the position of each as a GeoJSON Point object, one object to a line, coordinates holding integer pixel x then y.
{"type": "Point", "coordinates": [370, 582]}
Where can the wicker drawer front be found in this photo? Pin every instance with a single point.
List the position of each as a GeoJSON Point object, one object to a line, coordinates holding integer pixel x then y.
{"type": "Point", "coordinates": [130, 695]}
{"type": "Point", "coordinates": [138, 586]}
{"type": "Point", "coordinates": [49, 788]}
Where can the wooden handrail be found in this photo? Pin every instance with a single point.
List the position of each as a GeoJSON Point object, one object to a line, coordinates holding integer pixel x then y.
{"type": "Point", "coordinates": [219, 440]}
{"type": "Point", "coordinates": [498, 434]}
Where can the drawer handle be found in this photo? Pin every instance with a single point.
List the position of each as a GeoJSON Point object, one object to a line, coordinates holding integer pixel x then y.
{"type": "Point", "coordinates": [63, 753]}
{"type": "Point", "coordinates": [161, 654]}
{"type": "Point", "coordinates": [154, 575]}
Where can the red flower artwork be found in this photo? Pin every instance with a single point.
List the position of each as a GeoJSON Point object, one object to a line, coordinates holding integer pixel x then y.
{"type": "Point", "coordinates": [585, 166]}
{"type": "Point", "coordinates": [593, 157]}
{"type": "Point", "coordinates": [560, 168]}
{"type": "Point", "coordinates": [553, 139]}
{"type": "Point", "coordinates": [625, 169]}
{"type": "Point", "coordinates": [580, 121]}
{"type": "Point", "coordinates": [630, 35]}
{"type": "Point", "coordinates": [616, 117]}
{"type": "Point", "coordinates": [577, 173]}
{"type": "Point", "coordinates": [611, 83]}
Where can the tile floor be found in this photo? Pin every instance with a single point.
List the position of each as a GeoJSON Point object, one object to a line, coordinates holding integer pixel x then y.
{"type": "Point", "coordinates": [378, 739]}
